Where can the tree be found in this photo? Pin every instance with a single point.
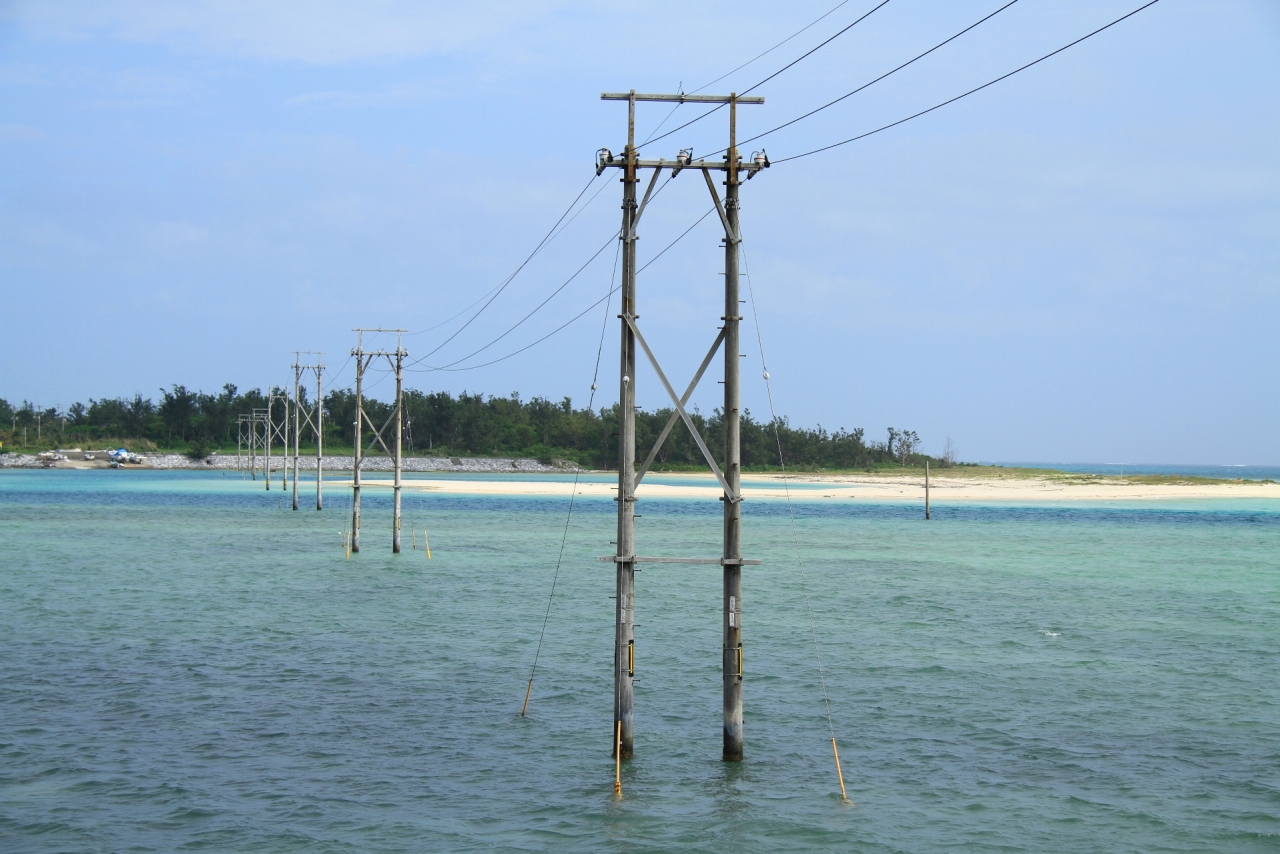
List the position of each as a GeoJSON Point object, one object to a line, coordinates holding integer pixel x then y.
{"type": "Point", "coordinates": [177, 410]}
{"type": "Point", "coordinates": [949, 453]}
{"type": "Point", "coordinates": [908, 441]}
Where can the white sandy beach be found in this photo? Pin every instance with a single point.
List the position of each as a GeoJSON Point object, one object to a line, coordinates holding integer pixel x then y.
{"type": "Point", "coordinates": [859, 488]}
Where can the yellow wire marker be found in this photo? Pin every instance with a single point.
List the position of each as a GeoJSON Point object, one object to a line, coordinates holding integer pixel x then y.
{"type": "Point", "coordinates": [617, 766]}
{"type": "Point", "coordinates": [839, 773]}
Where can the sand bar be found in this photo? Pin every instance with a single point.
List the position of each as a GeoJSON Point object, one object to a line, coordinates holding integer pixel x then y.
{"type": "Point", "coordinates": [871, 488]}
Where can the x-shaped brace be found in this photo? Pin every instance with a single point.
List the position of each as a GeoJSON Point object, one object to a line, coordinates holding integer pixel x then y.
{"type": "Point", "coordinates": [671, 422]}
{"type": "Point", "coordinates": [377, 434]}
{"type": "Point", "coordinates": [730, 495]}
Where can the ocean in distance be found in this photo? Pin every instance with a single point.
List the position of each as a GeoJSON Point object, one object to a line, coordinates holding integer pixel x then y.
{"type": "Point", "coordinates": [187, 664]}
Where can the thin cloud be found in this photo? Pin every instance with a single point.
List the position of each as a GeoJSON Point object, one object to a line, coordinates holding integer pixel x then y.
{"type": "Point", "coordinates": [323, 32]}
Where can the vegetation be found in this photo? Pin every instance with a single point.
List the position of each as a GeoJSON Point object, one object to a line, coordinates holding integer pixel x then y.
{"type": "Point", "coordinates": [441, 424]}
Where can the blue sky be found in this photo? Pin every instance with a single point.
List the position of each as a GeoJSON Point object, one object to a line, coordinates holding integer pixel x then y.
{"type": "Point", "coordinates": [1079, 263]}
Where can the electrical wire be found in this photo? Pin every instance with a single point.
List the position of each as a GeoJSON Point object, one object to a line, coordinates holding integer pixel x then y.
{"type": "Point", "coordinates": [791, 512]}
{"type": "Point", "coordinates": [878, 79]}
{"type": "Point", "coordinates": [803, 56]}
{"type": "Point", "coordinates": [451, 365]}
{"type": "Point", "coordinates": [812, 23]}
{"type": "Point", "coordinates": [510, 278]}
{"type": "Point", "coordinates": [577, 316]}
{"type": "Point", "coordinates": [536, 308]}
{"type": "Point", "coordinates": [577, 470]}
{"type": "Point", "coordinates": [556, 233]}
{"type": "Point", "coordinates": [680, 89]}
{"type": "Point", "coordinates": [971, 91]}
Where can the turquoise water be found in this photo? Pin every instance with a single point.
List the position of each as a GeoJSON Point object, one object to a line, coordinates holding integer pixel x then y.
{"type": "Point", "coordinates": [187, 664]}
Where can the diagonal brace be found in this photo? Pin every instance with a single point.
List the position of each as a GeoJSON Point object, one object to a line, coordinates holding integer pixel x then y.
{"type": "Point", "coordinates": [671, 422]}
{"type": "Point", "coordinates": [640, 212]}
{"type": "Point", "coordinates": [724, 218]}
{"type": "Point", "coordinates": [730, 495]}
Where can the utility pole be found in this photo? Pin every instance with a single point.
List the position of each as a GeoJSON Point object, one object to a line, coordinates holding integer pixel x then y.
{"type": "Point", "coordinates": [926, 490]}
{"type": "Point", "coordinates": [628, 478]}
{"type": "Point", "coordinates": [363, 358]}
{"type": "Point", "coordinates": [267, 440]}
{"type": "Point", "coordinates": [297, 423]}
{"type": "Point", "coordinates": [399, 416]}
{"type": "Point", "coordinates": [624, 633]}
{"type": "Point", "coordinates": [313, 417]}
{"type": "Point", "coordinates": [732, 457]}
{"type": "Point", "coordinates": [319, 423]}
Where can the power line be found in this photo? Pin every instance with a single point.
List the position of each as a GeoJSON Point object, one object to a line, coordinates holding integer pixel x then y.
{"type": "Point", "coordinates": [812, 23]}
{"type": "Point", "coordinates": [510, 278]}
{"type": "Point", "coordinates": [881, 77]}
{"type": "Point", "coordinates": [971, 91]}
{"type": "Point", "coordinates": [546, 241]}
{"type": "Point", "coordinates": [806, 55]}
{"type": "Point", "coordinates": [577, 316]}
{"type": "Point", "coordinates": [537, 308]}
{"type": "Point", "coordinates": [806, 27]}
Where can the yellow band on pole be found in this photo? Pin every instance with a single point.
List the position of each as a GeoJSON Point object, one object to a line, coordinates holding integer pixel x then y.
{"type": "Point", "coordinates": [617, 766]}
{"type": "Point", "coordinates": [527, 692]}
{"type": "Point", "coordinates": [840, 774]}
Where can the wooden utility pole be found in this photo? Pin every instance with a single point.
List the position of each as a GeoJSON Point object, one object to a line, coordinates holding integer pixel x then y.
{"type": "Point", "coordinates": [267, 441]}
{"type": "Point", "coordinates": [926, 490]}
{"type": "Point", "coordinates": [319, 424]}
{"type": "Point", "coordinates": [363, 358]}
{"type": "Point", "coordinates": [628, 478]}
{"type": "Point", "coordinates": [357, 458]}
{"type": "Point", "coordinates": [314, 417]}
{"type": "Point", "coordinates": [732, 457]}
{"type": "Point", "coordinates": [297, 424]}
{"type": "Point", "coordinates": [624, 629]}
{"type": "Point", "coordinates": [399, 419]}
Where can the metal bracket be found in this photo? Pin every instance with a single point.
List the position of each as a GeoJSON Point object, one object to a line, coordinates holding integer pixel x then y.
{"type": "Point", "coordinates": [693, 431]}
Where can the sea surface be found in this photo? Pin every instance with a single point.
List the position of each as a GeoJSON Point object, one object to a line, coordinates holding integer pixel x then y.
{"type": "Point", "coordinates": [188, 664]}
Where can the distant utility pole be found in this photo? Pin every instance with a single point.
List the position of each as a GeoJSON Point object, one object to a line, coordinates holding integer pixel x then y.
{"type": "Point", "coordinates": [274, 394]}
{"type": "Point", "coordinates": [363, 359]}
{"type": "Point", "coordinates": [261, 423]}
{"type": "Point", "coordinates": [628, 478]}
{"type": "Point", "coordinates": [251, 436]}
{"type": "Point", "coordinates": [314, 418]}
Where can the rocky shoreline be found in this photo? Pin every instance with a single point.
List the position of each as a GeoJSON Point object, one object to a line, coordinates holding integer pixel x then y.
{"type": "Point", "coordinates": [305, 463]}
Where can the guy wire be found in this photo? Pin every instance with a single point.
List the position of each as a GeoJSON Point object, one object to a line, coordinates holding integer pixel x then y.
{"type": "Point", "coordinates": [577, 470]}
{"type": "Point", "coordinates": [795, 537]}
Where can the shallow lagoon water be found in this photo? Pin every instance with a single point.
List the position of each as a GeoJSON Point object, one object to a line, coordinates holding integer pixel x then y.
{"type": "Point", "coordinates": [188, 664]}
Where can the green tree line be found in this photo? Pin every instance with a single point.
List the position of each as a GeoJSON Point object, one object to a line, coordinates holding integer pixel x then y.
{"type": "Point", "coordinates": [443, 424]}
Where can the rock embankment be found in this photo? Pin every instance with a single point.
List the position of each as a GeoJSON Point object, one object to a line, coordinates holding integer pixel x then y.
{"type": "Point", "coordinates": [305, 463]}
